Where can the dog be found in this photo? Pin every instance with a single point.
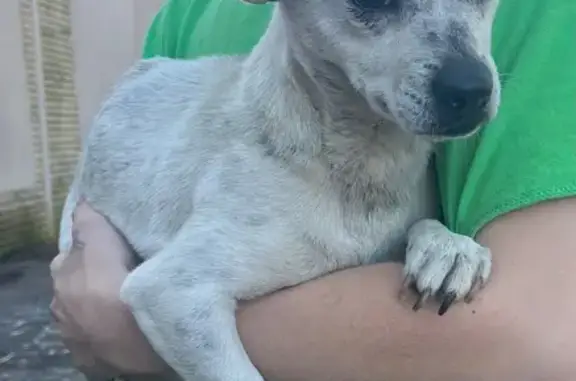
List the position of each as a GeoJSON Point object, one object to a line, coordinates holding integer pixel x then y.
{"type": "Point", "coordinates": [235, 176]}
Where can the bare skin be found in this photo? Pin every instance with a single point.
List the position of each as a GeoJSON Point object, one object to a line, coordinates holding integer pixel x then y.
{"type": "Point", "coordinates": [351, 325]}
{"type": "Point", "coordinates": [97, 328]}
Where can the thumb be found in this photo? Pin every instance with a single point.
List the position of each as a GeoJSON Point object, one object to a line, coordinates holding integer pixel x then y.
{"type": "Point", "coordinates": [103, 246]}
{"type": "Point", "coordinates": [57, 262]}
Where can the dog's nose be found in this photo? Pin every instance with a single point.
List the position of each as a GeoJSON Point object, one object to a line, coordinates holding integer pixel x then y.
{"type": "Point", "coordinates": [461, 89]}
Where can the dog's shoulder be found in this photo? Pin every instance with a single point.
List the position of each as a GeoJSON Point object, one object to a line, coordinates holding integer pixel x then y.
{"type": "Point", "coordinates": [160, 90]}
{"type": "Point", "coordinates": [161, 110]}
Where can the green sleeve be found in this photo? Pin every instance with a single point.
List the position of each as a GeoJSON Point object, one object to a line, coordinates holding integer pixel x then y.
{"type": "Point", "coordinates": [193, 28]}
{"type": "Point", "coordinates": [528, 154]}
{"type": "Point", "coordinates": [159, 41]}
{"type": "Point", "coordinates": [173, 25]}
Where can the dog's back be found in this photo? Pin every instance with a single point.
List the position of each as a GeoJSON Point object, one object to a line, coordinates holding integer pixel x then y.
{"type": "Point", "coordinates": [146, 147]}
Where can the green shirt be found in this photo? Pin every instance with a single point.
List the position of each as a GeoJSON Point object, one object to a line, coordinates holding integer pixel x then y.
{"type": "Point", "coordinates": [527, 155]}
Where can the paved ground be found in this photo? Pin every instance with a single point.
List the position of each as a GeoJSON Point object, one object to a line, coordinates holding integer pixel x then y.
{"type": "Point", "coordinates": [29, 347]}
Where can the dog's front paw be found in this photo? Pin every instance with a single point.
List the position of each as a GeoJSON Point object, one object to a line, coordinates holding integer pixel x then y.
{"type": "Point", "coordinates": [444, 264]}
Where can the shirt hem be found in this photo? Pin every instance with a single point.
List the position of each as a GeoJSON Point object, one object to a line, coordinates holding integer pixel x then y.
{"type": "Point", "coordinates": [527, 199]}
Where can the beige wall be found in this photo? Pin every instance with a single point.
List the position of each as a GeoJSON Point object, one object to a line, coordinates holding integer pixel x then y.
{"type": "Point", "coordinates": [107, 38]}
{"type": "Point", "coordinates": [59, 59]}
{"type": "Point", "coordinates": [17, 165]}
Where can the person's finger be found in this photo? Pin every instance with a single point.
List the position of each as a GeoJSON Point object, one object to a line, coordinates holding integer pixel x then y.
{"type": "Point", "coordinates": [72, 336]}
{"type": "Point", "coordinates": [80, 353]}
{"type": "Point", "coordinates": [65, 324]}
{"type": "Point", "coordinates": [87, 217]}
{"type": "Point", "coordinates": [71, 259]}
{"type": "Point", "coordinates": [57, 261]}
{"type": "Point", "coordinates": [65, 262]}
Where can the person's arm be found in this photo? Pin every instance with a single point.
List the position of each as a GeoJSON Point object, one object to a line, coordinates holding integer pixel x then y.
{"type": "Point", "coordinates": [351, 325]}
{"type": "Point", "coordinates": [97, 328]}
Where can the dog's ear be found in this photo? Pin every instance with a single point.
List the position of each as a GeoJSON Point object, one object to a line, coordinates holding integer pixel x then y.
{"type": "Point", "coordinates": [258, 1]}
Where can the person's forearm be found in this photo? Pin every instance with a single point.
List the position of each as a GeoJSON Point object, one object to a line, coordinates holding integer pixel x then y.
{"type": "Point", "coordinates": [352, 326]}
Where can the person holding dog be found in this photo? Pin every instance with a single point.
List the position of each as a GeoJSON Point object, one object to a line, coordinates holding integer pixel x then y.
{"type": "Point", "coordinates": [512, 186]}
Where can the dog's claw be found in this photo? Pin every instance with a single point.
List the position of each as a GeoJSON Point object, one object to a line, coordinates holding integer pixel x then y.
{"type": "Point", "coordinates": [407, 282]}
{"type": "Point", "coordinates": [422, 299]}
{"type": "Point", "coordinates": [447, 265]}
{"type": "Point", "coordinates": [447, 303]}
{"type": "Point", "coordinates": [477, 286]}
{"type": "Point", "coordinates": [405, 286]}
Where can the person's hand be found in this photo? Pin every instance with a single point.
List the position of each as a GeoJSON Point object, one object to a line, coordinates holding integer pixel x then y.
{"type": "Point", "coordinates": [95, 325]}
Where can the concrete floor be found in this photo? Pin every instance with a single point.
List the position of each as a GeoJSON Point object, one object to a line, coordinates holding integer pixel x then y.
{"type": "Point", "coordinates": [30, 349]}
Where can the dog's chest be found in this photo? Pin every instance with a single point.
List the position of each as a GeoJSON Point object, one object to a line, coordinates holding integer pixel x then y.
{"type": "Point", "coordinates": [370, 205]}
{"type": "Point", "coordinates": [358, 231]}
{"type": "Point", "coordinates": [347, 220]}
{"type": "Point", "coordinates": [352, 237]}
{"type": "Point", "coordinates": [362, 222]}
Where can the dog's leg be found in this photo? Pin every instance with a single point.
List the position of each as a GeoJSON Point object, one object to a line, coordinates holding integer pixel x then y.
{"type": "Point", "coordinates": [442, 263]}
{"type": "Point", "coordinates": [184, 300]}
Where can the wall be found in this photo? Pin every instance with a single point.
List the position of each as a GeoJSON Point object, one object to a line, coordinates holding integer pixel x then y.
{"type": "Point", "coordinates": [107, 39]}
{"type": "Point", "coordinates": [60, 58]}
{"type": "Point", "coordinates": [16, 132]}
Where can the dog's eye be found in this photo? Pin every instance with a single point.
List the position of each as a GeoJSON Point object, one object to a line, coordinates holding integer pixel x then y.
{"type": "Point", "coordinates": [377, 5]}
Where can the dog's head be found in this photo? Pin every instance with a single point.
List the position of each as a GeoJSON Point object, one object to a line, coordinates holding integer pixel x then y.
{"type": "Point", "coordinates": [425, 64]}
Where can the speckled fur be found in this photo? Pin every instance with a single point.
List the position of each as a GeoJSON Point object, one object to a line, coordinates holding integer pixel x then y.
{"type": "Point", "coordinates": [233, 177]}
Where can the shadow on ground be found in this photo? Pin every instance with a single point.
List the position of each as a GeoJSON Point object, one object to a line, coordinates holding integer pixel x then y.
{"type": "Point", "coordinates": [30, 349]}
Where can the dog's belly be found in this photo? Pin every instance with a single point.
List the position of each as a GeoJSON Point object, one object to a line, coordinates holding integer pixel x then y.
{"type": "Point", "coordinates": [148, 217]}
{"type": "Point", "coordinates": [353, 238]}
{"type": "Point", "coordinates": [145, 185]}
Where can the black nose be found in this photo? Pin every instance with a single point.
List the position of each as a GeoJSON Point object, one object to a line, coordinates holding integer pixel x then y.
{"type": "Point", "coordinates": [461, 89]}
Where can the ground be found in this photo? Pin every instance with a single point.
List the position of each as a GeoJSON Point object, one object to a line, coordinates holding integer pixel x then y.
{"type": "Point", "coordinates": [30, 349]}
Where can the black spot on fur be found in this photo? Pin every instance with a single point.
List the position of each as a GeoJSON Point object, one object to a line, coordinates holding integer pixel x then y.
{"type": "Point", "coordinates": [267, 144]}
{"type": "Point", "coordinates": [370, 11]}
{"type": "Point", "coordinates": [380, 6]}
{"type": "Point", "coordinates": [370, 196]}
{"type": "Point", "coordinates": [479, 3]}
{"type": "Point", "coordinates": [283, 153]}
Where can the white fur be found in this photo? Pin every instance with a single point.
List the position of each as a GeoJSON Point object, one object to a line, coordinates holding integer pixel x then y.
{"type": "Point", "coordinates": [233, 177]}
